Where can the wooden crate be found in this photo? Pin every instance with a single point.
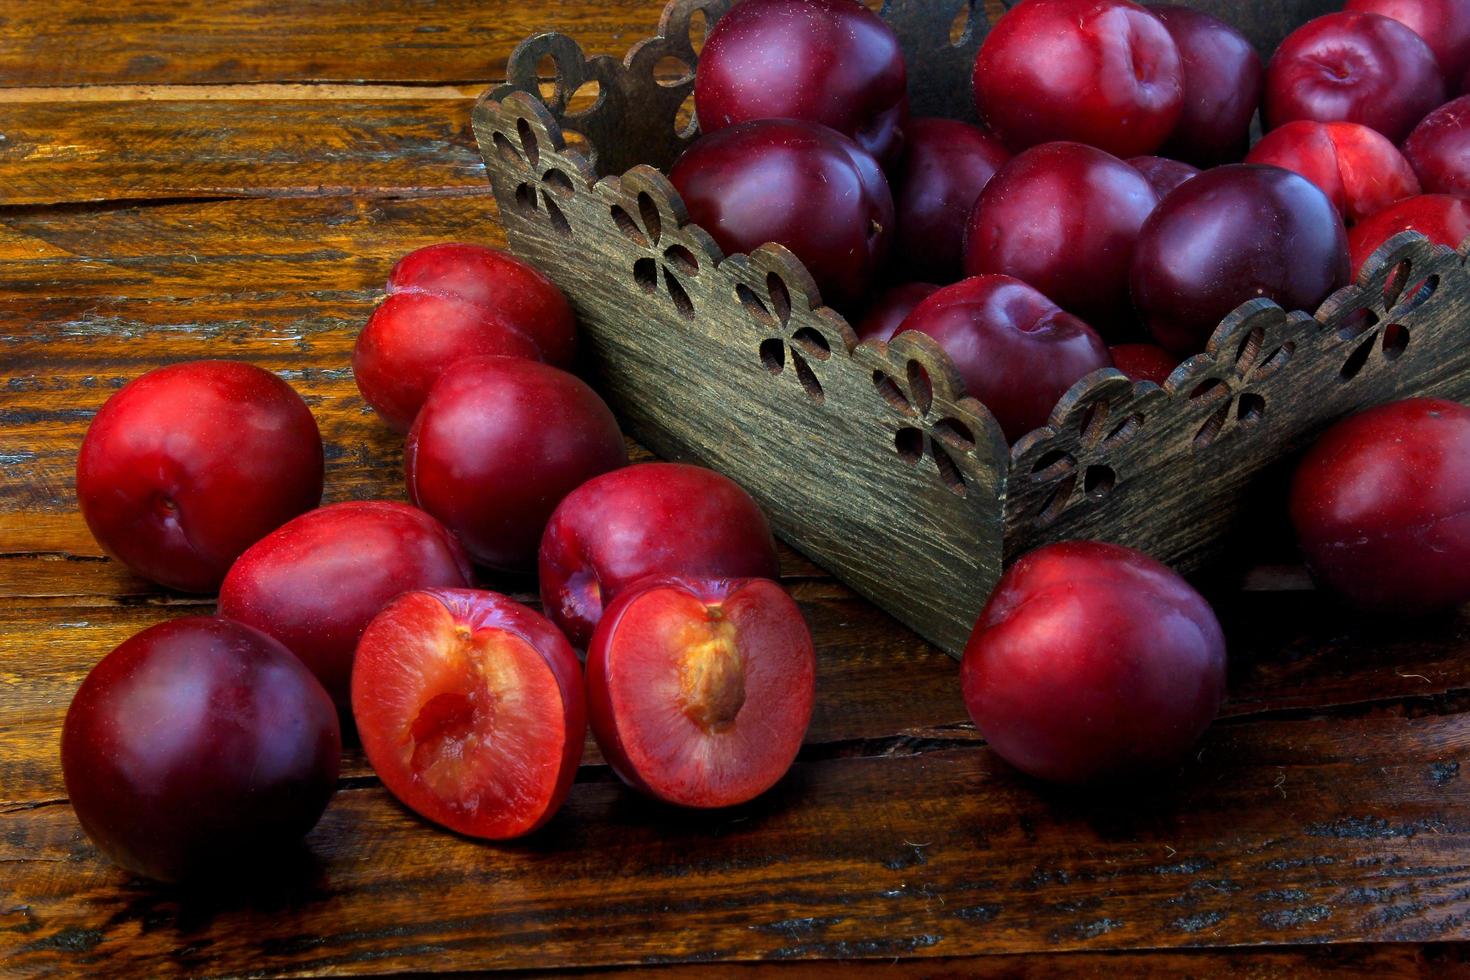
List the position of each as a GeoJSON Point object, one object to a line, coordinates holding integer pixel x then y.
{"type": "Point", "coordinates": [869, 457]}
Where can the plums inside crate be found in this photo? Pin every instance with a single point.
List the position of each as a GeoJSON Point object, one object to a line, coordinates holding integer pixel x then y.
{"type": "Point", "coordinates": [866, 458]}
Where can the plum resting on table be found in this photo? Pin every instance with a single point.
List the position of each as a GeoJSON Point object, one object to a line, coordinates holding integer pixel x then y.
{"type": "Point", "coordinates": [1093, 661]}
{"type": "Point", "coordinates": [496, 446]}
{"type": "Point", "coordinates": [451, 301]}
{"type": "Point", "coordinates": [190, 464]}
{"type": "Point", "coordinates": [1381, 507]}
{"type": "Point", "coordinates": [315, 582]}
{"type": "Point", "coordinates": [651, 519]}
{"type": "Point", "coordinates": [197, 744]}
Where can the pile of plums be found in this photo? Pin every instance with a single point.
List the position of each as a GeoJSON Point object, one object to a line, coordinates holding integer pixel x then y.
{"type": "Point", "coordinates": [220, 735]}
{"type": "Point", "coordinates": [1073, 231]}
{"type": "Point", "coordinates": [1077, 215]}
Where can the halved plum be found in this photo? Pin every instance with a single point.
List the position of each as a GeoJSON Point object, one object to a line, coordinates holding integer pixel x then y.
{"type": "Point", "coordinates": [700, 690]}
{"type": "Point", "coordinates": [470, 707]}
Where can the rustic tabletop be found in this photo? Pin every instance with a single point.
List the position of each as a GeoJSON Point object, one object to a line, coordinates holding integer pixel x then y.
{"type": "Point", "coordinates": [216, 178]}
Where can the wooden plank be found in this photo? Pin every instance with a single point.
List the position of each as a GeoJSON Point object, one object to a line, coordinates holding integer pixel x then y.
{"type": "Point", "coordinates": [77, 42]}
{"type": "Point", "coordinates": [1299, 651]}
{"type": "Point", "coordinates": [943, 853]}
{"type": "Point", "coordinates": [262, 91]}
{"type": "Point", "coordinates": [61, 152]}
{"type": "Point", "coordinates": [54, 385]}
{"type": "Point", "coordinates": [240, 248]}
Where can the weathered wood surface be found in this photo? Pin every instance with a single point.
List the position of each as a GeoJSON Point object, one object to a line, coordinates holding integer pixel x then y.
{"type": "Point", "coordinates": [79, 42]}
{"type": "Point", "coordinates": [62, 152]}
{"type": "Point", "coordinates": [936, 850]}
{"type": "Point", "coordinates": [1328, 805]}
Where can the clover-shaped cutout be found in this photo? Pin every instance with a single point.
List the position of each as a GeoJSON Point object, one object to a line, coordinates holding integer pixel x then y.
{"type": "Point", "coordinates": [526, 205]}
{"type": "Point", "coordinates": [1100, 430]}
{"type": "Point", "coordinates": [1233, 400]}
{"type": "Point", "coordinates": [1403, 293]}
{"type": "Point", "coordinates": [926, 432]}
{"type": "Point", "coordinates": [643, 226]}
{"type": "Point", "coordinates": [517, 142]}
{"type": "Point", "coordinates": [800, 347]}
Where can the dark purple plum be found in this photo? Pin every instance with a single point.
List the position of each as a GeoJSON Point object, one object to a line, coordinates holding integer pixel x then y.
{"type": "Point", "coordinates": [832, 62]}
{"type": "Point", "coordinates": [946, 166]}
{"type": "Point", "coordinates": [196, 745]}
{"type": "Point", "coordinates": [1230, 235]}
{"type": "Point", "coordinates": [1017, 351]}
{"type": "Point", "coordinates": [798, 184]}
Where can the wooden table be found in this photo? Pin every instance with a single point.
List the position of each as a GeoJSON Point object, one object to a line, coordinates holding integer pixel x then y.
{"type": "Point", "coordinates": [219, 178]}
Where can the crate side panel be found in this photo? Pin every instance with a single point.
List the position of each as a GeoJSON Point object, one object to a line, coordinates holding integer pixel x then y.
{"type": "Point", "coordinates": [1184, 471]}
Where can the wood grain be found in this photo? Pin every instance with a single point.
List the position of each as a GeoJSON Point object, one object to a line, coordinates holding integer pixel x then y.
{"type": "Point", "coordinates": [249, 92]}
{"type": "Point", "coordinates": [94, 299]}
{"type": "Point", "coordinates": [242, 249]}
{"type": "Point", "coordinates": [76, 42]}
{"type": "Point", "coordinates": [940, 853]}
{"type": "Point", "coordinates": [58, 152]}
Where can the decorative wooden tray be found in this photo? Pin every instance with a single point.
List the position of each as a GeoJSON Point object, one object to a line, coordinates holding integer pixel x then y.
{"type": "Point", "coordinates": [869, 457]}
